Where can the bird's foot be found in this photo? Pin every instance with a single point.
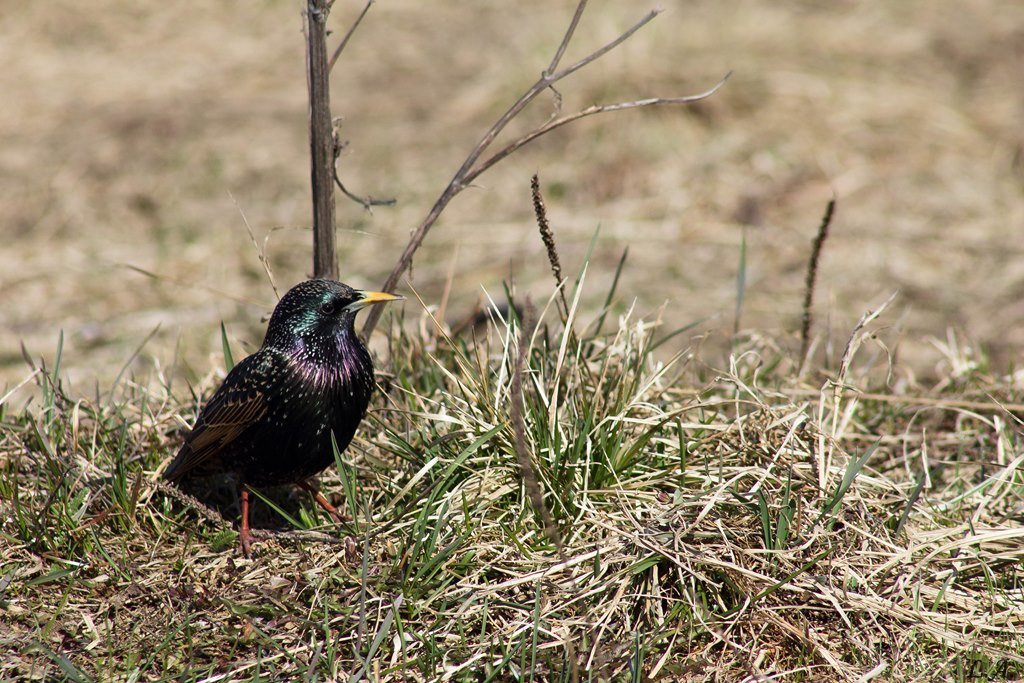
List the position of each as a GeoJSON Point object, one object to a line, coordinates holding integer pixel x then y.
{"type": "Point", "coordinates": [245, 540]}
{"type": "Point", "coordinates": [322, 501]}
{"type": "Point", "coordinates": [244, 534]}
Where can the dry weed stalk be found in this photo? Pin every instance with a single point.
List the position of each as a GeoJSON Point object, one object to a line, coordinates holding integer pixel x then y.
{"type": "Point", "coordinates": [548, 237]}
{"type": "Point", "coordinates": [261, 252]}
{"type": "Point", "coordinates": [476, 163]}
{"type": "Point", "coordinates": [809, 284]}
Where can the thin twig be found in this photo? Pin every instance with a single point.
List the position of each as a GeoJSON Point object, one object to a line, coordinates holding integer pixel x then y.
{"type": "Point", "coordinates": [297, 536]}
{"type": "Point", "coordinates": [567, 38]}
{"type": "Point", "coordinates": [470, 169]}
{"type": "Point", "coordinates": [191, 283]}
{"type": "Point", "coordinates": [927, 401]}
{"type": "Point", "coordinates": [529, 473]}
{"type": "Point", "coordinates": [205, 511]}
{"type": "Point", "coordinates": [348, 36]}
{"type": "Point", "coordinates": [260, 253]}
{"type": "Point", "coordinates": [218, 520]}
{"type": "Point", "coordinates": [812, 276]}
{"type": "Point", "coordinates": [368, 201]}
{"type": "Point", "coordinates": [19, 385]}
{"type": "Point", "coordinates": [583, 113]}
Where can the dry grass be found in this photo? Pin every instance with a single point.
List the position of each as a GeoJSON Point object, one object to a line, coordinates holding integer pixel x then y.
{"type": "Point", "coordinates": [725, 524]}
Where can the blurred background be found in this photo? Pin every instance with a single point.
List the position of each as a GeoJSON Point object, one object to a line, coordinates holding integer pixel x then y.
{"type": "Point", "coordinates": [134, 135]}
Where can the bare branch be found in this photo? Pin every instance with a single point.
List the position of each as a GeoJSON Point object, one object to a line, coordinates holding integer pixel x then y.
{"type": "Point", "coordinates": [348, 36]}
{"type": "Point", "coordinates": [470, 169]}
{"type": "Point", "coordinates": [582, 5]}
{"type": "Point", "coordinates": [583, 113]}
{"type": "Point", "coordinates": [545, 81]}
{"type": "Point", "coordinates": [601, 52]}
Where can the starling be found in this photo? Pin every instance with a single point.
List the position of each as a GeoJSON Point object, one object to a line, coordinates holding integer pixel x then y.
{"type": "Point", "coordinates": [271, 421]}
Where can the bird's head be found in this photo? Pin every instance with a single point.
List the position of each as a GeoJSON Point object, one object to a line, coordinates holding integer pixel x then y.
{"type": "Point", "coordinates": [318, 312]}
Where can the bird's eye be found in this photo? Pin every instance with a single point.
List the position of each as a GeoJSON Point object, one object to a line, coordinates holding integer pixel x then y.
{"type": "Point", "coordinates": [327, 308]}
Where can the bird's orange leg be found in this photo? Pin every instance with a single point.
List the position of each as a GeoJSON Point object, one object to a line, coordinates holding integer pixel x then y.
{"type": "Point", "coordinates": [243, 535]}
{"type": "Point", "coordinates": [321, 500]}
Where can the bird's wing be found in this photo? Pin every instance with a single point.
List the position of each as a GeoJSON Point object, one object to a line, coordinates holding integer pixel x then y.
{"type": "Point", "coordinates": [236, 407]}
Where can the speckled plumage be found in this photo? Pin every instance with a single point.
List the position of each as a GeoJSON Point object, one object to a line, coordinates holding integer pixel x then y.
{"type": "Point", "coordinates": [271, 420]}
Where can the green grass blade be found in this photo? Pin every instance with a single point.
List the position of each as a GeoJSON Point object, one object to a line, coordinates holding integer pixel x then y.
{"type": "Point", "coordinates": [278, 509]}
{"type": "Point", "coordinates": [348, 484]}
{"type": "Point", "coordinates": [599, 323]}
{"type": "Point", "coordinates": [852, 470]}
{"type": "Point", "coordinates": [229, 360]}
{"type": "Point", "coordinates": [378, 638]}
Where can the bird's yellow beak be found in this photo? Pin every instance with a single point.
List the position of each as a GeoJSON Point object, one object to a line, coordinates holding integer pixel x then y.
{"type": "Point", "coordinates": [368, 298]}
